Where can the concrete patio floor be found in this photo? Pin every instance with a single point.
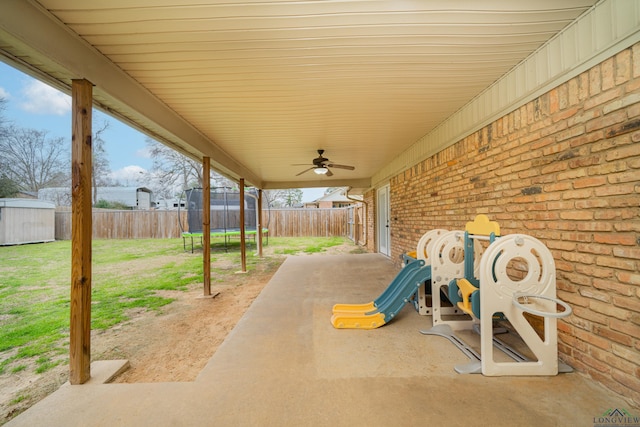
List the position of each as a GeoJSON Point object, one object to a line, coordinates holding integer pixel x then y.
{"type": "Point", "coordinates": [285, 365]}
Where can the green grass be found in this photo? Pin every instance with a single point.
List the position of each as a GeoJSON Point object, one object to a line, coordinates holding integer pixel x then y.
{"type": "Point", "coordinates": [35, 292]}
{"type": "Point", "coordinates": [126, 275]}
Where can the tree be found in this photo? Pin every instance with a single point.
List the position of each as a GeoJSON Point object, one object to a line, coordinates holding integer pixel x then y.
{"type": "Point", "coordinates": [8, 188]}
{"type": "Point", "coordinates": [284, 198]}
{"type": "Point", "coordinates": [99, 160]}
{"type": "Point", "coordinates": [33, 161]}
{"type": "Point", "coordinates": [172, 172]}
{"type": "Point", "coordinates": [3, 121]}
{"type": "Point", "coordinates": [3, 105]}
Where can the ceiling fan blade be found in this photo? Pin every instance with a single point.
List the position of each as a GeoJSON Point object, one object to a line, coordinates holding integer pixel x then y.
{"type": "Point", "coordinates": [329, 173]}
{"type": "Point", "coordinates": [333, 165]}
{"type": "Point", "coordinates": [306, 170]}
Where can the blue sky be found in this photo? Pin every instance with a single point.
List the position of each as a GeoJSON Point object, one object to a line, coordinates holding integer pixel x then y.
{"type": "Point", "coordinates": [33, 104]}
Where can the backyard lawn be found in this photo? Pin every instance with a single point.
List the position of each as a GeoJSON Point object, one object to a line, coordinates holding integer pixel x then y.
{"type": "Point", "coordinates": [132, 280]}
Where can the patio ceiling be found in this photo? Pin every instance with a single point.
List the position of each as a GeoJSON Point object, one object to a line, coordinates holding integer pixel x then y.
{"type": "Point", "coordinates": [259, 86]}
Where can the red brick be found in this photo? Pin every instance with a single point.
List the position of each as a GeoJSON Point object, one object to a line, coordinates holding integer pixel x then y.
{"type": "Point", "coordinates": [577, 237]}
{"type": "Point", "coordinates": [627, 277]}
{"type": "Point", "coordinates": [593, 363]}
{"type": "Point", "coordinates": [627, 381]}
{"type": "Point", "coordinates": [606, 168]}
{"type": "Point", "coordinates": [615, 238]}
{"type": "Point", "coordinates": [609, 310]}
{"type": "Point", "coordinates": [623, 152]}
{"type": "Point", "coordinates": [635, 55]}
{"type": "Point", "coordinates": [632, 304]}
{"type": "Point", "coordinates": [595, 82]}
{"type": "Point", "coordinates": [622, 67]}
{"type": "Point", "coordinates": [625, 327]}
{"type": "Point", "coordinates": [594, 226]}
{"type": "Point", "coordinates": [614, 336]}
{"type": "Point", "coordinates": [554, 101]}
{"type": "Point", "coordinates": [594, 249]}
{"type": "Point", "coordinates": [628, 201]}
{"type": "Point", "coordinates": [607, 72]}
{"type": "Point", "coordinates": [616, 263]}
{"type": "Point", "coordinates": [611, 285]}
{"type": "Point", "coordinates": [576, 215]}
{"type": "Point", "coordinates": [591, 293]}
{"type": "Point", "coordinates": [602, 98]}
{"type": "Point", "coordinates": [627, 176]}
{"type": "Point", "coordinates": [626, 252]}
{"type": "Point", "coordinates": [577, 194]}
{"type": "Point", "coordinates": [626, 353]}
{"type": "Point", "coordinates": [593, 339]}
{"type": "Point", "coordinates": [615, 190]}
{"type": "Point", "coordinates": [589, 182]}
{"type": "Point", "coordinates": [606, 121]}
{"type": "Point", "coordinates": [573, 299]}
{"type": "Point", "coordinates": [612, 360]}
{"type": "Point", "coordinates": [590, 315]}
{"type": "Point", "coordinates": [582, 162]}
{"type": "Point", "coordinates": [558, 186]}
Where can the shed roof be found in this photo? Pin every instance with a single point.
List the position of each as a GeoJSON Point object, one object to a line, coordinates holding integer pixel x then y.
{"type": "Point", "coordinates": [26, 203]}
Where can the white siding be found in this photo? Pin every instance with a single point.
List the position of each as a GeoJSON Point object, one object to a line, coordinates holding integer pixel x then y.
{"type": "Point", "coordinates": [26, 221]}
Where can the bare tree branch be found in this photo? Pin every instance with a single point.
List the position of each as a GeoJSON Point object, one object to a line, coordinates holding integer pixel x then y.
{"type": "Point", "coordinates": [32, 160]}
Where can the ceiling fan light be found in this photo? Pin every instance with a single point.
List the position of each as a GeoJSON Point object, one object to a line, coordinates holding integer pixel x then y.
{"type": "Point", "coordinates": [321, 170]}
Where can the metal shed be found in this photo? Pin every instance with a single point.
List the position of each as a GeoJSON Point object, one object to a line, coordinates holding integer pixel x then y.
{"type": "Point", "coordinates": [26, 221]}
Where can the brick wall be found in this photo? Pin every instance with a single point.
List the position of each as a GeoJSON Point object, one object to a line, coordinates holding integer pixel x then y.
{"type": "Point", "coordinates": [564, 168]}
{"type": "Point", "coordinates": [369, 200]}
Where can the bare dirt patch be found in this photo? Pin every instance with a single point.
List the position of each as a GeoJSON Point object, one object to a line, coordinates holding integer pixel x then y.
{"type": "Point", "coordinates": [172, 345]}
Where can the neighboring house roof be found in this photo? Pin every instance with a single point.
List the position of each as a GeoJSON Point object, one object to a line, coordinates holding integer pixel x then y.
{"type": "Point", "coordinates": [338, 195]}
{"type": "Point", "coordinates": [26, 195]}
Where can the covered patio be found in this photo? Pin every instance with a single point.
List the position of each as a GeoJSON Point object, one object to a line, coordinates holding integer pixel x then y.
{"type": "Point", "coordinates": [285, 365]}
{"type": "Point", "coordinates": [434, 112]}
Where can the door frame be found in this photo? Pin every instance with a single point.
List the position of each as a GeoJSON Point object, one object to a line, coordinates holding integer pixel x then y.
{"type": "Point", "coordinates": [383, 214]}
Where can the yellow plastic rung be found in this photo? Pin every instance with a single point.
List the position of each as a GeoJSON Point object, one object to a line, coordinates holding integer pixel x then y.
{"type": "Point", "coordinates": [481, 226]}
{"type": "Point", "coordinates": [466, 289]}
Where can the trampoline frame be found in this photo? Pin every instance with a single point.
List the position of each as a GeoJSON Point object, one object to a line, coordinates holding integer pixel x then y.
{"type": "Point", "coordinates": [225, 232]}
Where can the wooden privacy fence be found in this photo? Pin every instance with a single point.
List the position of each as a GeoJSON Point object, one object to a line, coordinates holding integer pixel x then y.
{"type": "Point", "coordinates": [125, 224]}
{"type": "Point", "coordinates": [115, 224]}
{"type": "Point", "coordinates": [345, 222]}
{"type": "Point", "coordinates": [306, 222]}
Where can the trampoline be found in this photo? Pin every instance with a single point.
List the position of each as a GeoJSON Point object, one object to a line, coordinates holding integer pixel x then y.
{"type": "Point", "coordinates": [225, 215]}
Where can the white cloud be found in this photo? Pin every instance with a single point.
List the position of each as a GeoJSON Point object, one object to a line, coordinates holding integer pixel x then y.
{"type": "Point", "coordinates": [129, 175]}
{"type": "Point", "coordinates": [39, 98]}
{"type": "Point", "coordinates": [143, 153]}
{"type": "Point", "coordinates": [4, 94]}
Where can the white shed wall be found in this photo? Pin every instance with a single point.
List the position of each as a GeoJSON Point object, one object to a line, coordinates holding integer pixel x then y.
{"type": "Point", "coordinates": [26, 221]}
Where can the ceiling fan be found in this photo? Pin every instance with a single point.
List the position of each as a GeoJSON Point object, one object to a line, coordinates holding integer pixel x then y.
{"type": "Point", "coordinates": [321, 166]}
